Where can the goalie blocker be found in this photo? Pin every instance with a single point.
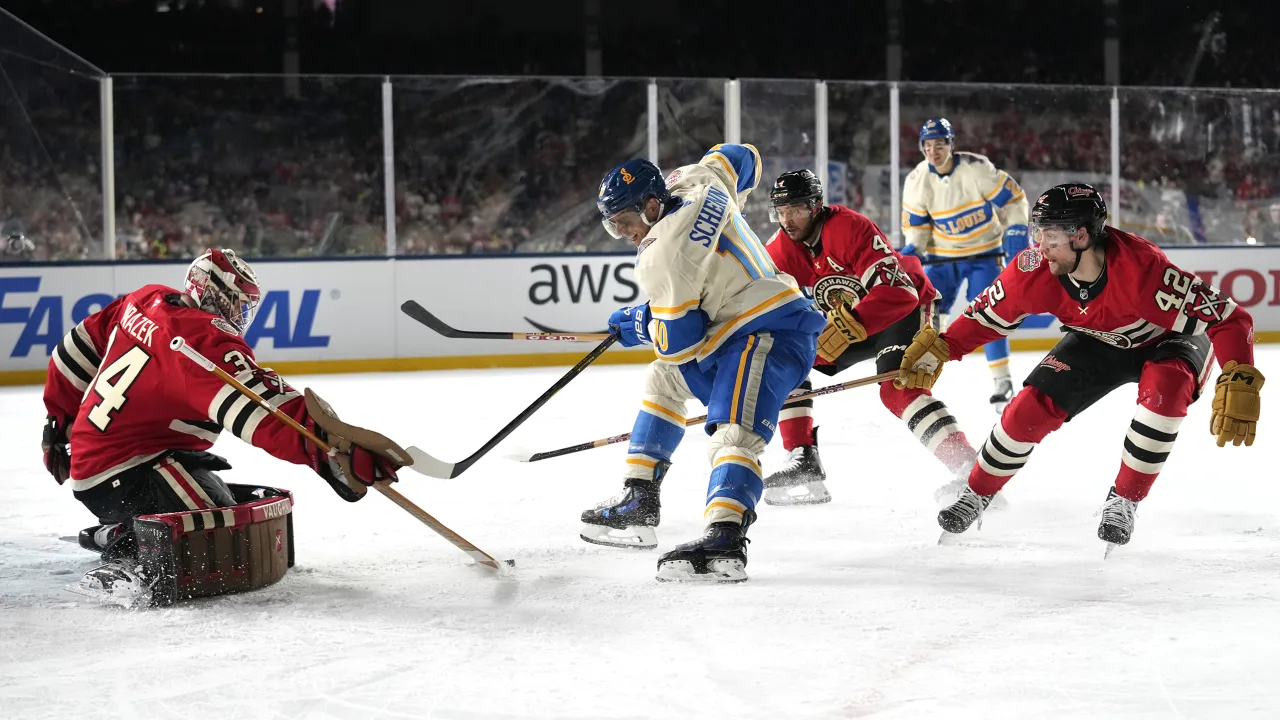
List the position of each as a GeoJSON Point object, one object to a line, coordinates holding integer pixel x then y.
{"type": "Point", "coordinates": [202, 553]}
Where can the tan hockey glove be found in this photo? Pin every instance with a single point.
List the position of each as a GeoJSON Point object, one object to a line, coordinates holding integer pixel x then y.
{"type": "Point", "coordinates": [1236, 404]}
{"type": "Point", "coordinates": [842, 330]}
{"type": "Point", "coordinates": [923, 360]}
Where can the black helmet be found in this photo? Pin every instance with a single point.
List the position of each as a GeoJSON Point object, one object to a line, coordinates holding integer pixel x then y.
{"type": "Point", "coordinates": [795, 187]}
{"type": "Point", "coordinates": [1073, 205]}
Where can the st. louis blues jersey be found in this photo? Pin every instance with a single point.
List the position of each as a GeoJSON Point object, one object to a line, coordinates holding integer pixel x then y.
{"type": "Point", "coordinates": [964, 212]}
{"type": "Point", "coordinates": [708, 277]}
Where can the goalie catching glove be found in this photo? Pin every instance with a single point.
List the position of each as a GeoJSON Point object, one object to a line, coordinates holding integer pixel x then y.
{"type": "Point", "coordinates": [1236, 404]}
{"type": "Point", "coordinates": [923, 360]}
{"type": "Point", "coordinates": [363, 457]}
{"type": "Point", "coordinates": [842, 330]}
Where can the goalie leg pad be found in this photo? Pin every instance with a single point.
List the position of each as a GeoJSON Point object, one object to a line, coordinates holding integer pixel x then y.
{"type": "Point", "coordinates": [227, 550]}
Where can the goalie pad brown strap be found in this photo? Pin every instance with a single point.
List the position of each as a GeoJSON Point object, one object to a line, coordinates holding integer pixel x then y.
{"type": "Point", "coordinates": [342, 435]}
{"type": "Point", "coordinates": [228, 550]}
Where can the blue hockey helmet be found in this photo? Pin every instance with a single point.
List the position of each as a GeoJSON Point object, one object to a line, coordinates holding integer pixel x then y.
{"type": "Point", "coordinates": [628, 187]}
{"type": "Point", "coordinates": [939, 129]}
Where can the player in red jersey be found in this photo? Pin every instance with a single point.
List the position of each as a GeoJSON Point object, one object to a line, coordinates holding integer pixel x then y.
{"type": "Point", "coordinates": [875, 301]}
{"type": "Point", "coordinates": [129, 420]}
{"type": "Point", "coordinates": [1130, 316]}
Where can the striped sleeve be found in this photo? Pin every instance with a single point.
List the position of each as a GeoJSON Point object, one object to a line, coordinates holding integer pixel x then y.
{"type": "Point", "coordinates": [234, 411]}
{"type": "Point", "coordinates": [77, 357]}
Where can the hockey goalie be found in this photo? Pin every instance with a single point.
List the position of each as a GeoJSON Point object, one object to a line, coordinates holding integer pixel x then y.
{"type": "Point", "coordinates": [130, 423]}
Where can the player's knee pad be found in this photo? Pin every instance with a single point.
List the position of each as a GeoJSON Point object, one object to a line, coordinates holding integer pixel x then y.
{"type": "Point", "coordinates": [732, 439]}
{"type": "Point", "coordinates": [664, 381]}
{"type": "Point", "coordinates": [1031, 416]}
{"type": "Point", "coordinates": [1166, 387]}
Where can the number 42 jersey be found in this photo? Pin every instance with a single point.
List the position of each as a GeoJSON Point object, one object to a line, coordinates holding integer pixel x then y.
{"type": "Point", "coordinates": [1140, 298]}
{"type": "Point", "coordinates": [133, 399]}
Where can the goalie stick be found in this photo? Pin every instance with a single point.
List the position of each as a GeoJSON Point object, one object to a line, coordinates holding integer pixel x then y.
{"type": "Point", "coordinates": [179, 345]}
{"type": "Point", "coordinates": [424, 316]}
{"type": "Point", "coordinates": [794, 397]}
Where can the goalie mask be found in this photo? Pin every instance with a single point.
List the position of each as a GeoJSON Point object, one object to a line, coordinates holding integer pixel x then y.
{"type": "Point", "coordinates": [223, 284]}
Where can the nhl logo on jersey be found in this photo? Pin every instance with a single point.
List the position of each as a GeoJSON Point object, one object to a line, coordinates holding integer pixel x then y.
{"type": "Point", "coordinates": [1029, 259]}
{"type": "Point", "coordinates": [225, 326]}
{"type": "Point", "coordinates": [835, 290]}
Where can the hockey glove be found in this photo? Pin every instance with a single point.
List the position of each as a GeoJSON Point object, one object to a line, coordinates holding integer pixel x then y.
{"type": "Point", "coordinates": [632, 325]}
{"type": "Point", "coordinates": [908, 249]}
{"type": "Point", "coordinates": [350, 470]}
{"type": "Point", "coordinates": [842, 330]}
{"type": "Point", "coordinates": [923, 360]}
{"type": "Point", "coordinates": [1235, 410]}
{"type": "Point", "coordinates": [55, 443]}
{"type": "Point", "coordinates": [1015, 241]}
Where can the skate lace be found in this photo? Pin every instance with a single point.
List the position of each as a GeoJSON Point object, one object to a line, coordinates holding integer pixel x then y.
{"type": "Point", "coordinates": [970, 502]}
{"type": "Point", "coordinates": [795, 456]}
{"type": "Point", "coordinates": [1118, 512]}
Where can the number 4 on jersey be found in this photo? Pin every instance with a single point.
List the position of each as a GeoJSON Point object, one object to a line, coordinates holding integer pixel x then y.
{"type": "Point", "coordinates": [112, 384]}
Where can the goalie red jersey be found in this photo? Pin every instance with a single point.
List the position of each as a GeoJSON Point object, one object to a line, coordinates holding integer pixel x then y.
{"type": "Point", "coordinates": [133, 399]}
{"type": "Point", "coordinates": [852, 262]}
{"type": "Point", "coordinates": [1146, 298]}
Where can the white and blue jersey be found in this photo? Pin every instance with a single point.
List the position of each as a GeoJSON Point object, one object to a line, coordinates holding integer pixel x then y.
{"type": "Point", "coordinates": [974, 211]}
{"type": "Point", "coordinates": [727, 327]}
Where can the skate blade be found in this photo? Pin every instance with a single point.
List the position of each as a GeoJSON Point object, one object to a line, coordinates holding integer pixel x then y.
{"type": "Point", "coordinates": [949, 538]}
{"type": "Point", "coordinates": [1106, 553]}
{"type": "Point", "coordinates": [636, 537]}
{"type": "Point", "coordinates": [126, 600]}
{"type": "Point", "coordinates": [811, 493]}
{"type": "Point", "coordinates": [721, 571]}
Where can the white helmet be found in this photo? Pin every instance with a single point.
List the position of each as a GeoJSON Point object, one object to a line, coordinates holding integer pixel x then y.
{"type": "Point", "coordinates": [223, 284]}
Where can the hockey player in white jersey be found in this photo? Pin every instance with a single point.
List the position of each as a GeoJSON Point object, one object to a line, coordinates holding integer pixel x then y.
{"type": "Point", "coordinates": [727, 328]}
{"type": "Point", "coordinates": [958, 207]}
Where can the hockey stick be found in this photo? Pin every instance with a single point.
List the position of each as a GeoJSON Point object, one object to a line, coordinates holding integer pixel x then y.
{"type": "Point", "coordinates": [179, 345]}
{"type": "Point", "coordinates": [794, 397]}
{"type": "Point", "coordinates": [438, 468]}
{"type": "Point", "coordinates": [422, 315]}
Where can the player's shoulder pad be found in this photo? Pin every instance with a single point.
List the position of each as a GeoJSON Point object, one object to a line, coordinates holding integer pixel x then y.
{"type": "Point", "coordinates": [965, 157]}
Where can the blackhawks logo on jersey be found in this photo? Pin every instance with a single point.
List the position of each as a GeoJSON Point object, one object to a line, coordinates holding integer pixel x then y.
{"type": "Point", "coordinates": [835, 290]}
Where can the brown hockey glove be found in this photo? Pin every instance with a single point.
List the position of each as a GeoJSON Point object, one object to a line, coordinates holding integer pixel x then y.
{"type": "Point", "coordinates": [1236, 401]}
{"type": "Point", "coordinates": [364, 456]}
{"type": "Point", "coordinates": [923, 360]}
{"type": "Point", "coordinates": [55, 443]}
{"type": "Point", "coordinates": [842, 330]}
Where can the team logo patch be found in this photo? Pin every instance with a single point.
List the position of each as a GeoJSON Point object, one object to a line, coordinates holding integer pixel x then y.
{"type": "Point", "coordinates": [1029, 259]}
{"type": "Point", "coordinates": [835, 290]}
{"type": "Point", "coordinates": [1054, 364]}
{"type": "Point", "coordinates": [644, 244]}
{"type": "Point", "coordinates": [1110, 338]}
{"type": "Point", "coordinates": [279, 541]}
{"type": "Point", "coordinates": [673, 177]}
{"type": "Point", "coordinates": [225, 327]}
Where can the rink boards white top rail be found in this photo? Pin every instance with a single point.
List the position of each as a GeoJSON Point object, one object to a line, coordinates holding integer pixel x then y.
{"type": "Point", "coordinates": [342, 315]}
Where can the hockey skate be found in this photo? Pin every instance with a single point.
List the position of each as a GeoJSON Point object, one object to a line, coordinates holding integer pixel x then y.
{"type": "Point", "coordinates": [720, 555]}
{"type": "Point", "coordinates": [113, 541]}
{"type": "Point", "coordinates": [630, 519]}
{"type": "Point", "coordinates": [801, 481]}
{"type": "Point", "coordinates": [1002, 395]}
{"type": "Point", "coordinates": [961, 514]}
{"type": "Point", "coordinates": [117, 583]}
{"type": "Point", "coordinates": [1119, 515]}
{"type": "Point", "coordinates": [951, 492]}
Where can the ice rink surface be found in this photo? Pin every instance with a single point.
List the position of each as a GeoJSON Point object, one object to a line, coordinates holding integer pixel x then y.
{"type": "Point", "coordinates": [852, 609]}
